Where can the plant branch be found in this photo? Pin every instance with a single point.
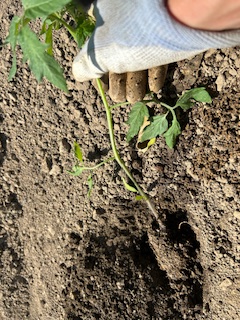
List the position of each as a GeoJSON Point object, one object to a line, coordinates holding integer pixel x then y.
{"type": "Point", "coordinates": [98, 165]}
{"type": "Point", "coordinates": [119, 105]}
{"type": "Point", "coordinates": [171, 109]}
{"type": "Point", "coordinates": [63, 22]}
{"type": "Point", "coordinates": [118, 158]}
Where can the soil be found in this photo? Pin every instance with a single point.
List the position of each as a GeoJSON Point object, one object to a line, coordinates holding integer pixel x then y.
{"type": "Point", "coordinates": [66, 256]}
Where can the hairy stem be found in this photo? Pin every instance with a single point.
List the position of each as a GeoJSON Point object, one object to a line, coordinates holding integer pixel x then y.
{"type": "Point", "coordinates": [118, 158]}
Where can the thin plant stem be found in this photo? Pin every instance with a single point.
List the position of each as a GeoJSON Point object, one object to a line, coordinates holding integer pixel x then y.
{"type": "Point", "coordinates": [63, 22]}
{"type": "Point", "coordinates": [98, 165]}
{"type": "Point", "coordinates": [171, 109]}
{"type": "Point", "coordinates": [119, 105]}
{"type": "Point", "coordinates": [118, 158]}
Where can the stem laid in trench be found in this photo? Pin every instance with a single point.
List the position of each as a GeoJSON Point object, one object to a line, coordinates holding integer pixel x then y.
{"type": "Point", "coordinates": [98, 165]}
{"type": "Point", "coordinates": [118, 158]}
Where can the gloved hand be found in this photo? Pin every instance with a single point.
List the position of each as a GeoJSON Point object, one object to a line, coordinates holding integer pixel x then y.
{"type": "Point", "coordinates": [138, 35]}
{"type": "Point", "coordinates": [133, 86]}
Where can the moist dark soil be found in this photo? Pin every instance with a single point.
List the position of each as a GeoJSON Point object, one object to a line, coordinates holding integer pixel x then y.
{"type": "Point", "coordinates": [66, 256]}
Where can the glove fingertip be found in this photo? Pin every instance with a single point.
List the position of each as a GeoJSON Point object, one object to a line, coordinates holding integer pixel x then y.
{"type": "Point", "coordinates": [84, 70]}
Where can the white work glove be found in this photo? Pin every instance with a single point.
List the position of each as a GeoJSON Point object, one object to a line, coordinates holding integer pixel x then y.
{"type": "Point", "coordinates": [138, 35]}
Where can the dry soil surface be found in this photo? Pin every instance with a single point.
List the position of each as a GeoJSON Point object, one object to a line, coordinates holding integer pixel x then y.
{"type": "Point", "coordinates": [65, 256]}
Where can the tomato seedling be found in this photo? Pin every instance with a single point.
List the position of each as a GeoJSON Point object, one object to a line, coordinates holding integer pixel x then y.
{"type": "Point", "coordinates": [159, 124]}
{"type": "Point", "coordinates": [79, 167]}
{"type": "Point", "coordinates": [39, 54]}
{"type": "Point", "coordinates": [37, 48]}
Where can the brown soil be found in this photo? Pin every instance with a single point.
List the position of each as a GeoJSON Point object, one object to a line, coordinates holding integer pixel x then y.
{"type": "Point", "coordinates": [64, 256]}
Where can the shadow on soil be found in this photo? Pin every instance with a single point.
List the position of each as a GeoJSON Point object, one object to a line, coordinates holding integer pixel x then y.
{"type": "Point", "coordinates": [115, 275]}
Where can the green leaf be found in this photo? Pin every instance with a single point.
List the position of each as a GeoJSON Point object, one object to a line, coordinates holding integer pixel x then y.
{"type": "Point", "coordinates": [151, 142]}
{"type": "Point", "coordinates": [76, 171]}
{"type": "Point", "coordinates": [49, 39]}
{"type": "Point", "coordinates": [40, 62]}
{"type": "Point", "coordinates": [44, 27]}
{"type": "Point", "coordinates": [139, 198]}
{"type": "Point", "coordinates": [90, 185]}
{"type": "Point", "coordinates": [158, 126]}
{"type": "Point", "coordinates": [78, 152]}
{"type": "Point", "coordinates": [201, 95]}
{"type": "Point", "coordinates": [12, 37]}
{"type": "Point", "coordinates": [144, 146]}
{"type": "Point", "coordinates": [128, 187]}
{"type": "Point", "coordinates": [42, 8]}
{"type": "Point", "coordinates": [13, 69]}
{"type": "Point", "coordinates": [198, 94]}
{"type": "Point", "coordinates": [83, 31]}
{"type": "Point", "coordinates": [172, 133]}
{"type": "Point", "coordinates": [136, 118]}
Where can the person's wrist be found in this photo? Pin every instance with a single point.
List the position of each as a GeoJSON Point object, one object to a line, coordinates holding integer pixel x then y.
{"type": "Point", "coordinates": [214, 15]}
{"type": "Point", "coordinates": [190, 13]}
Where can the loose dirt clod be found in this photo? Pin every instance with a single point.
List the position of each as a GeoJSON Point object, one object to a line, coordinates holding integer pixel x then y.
{"type": "Point", "coordinates": [156, 78]}
{"type": "Point", "coordinates": [168, 260]}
